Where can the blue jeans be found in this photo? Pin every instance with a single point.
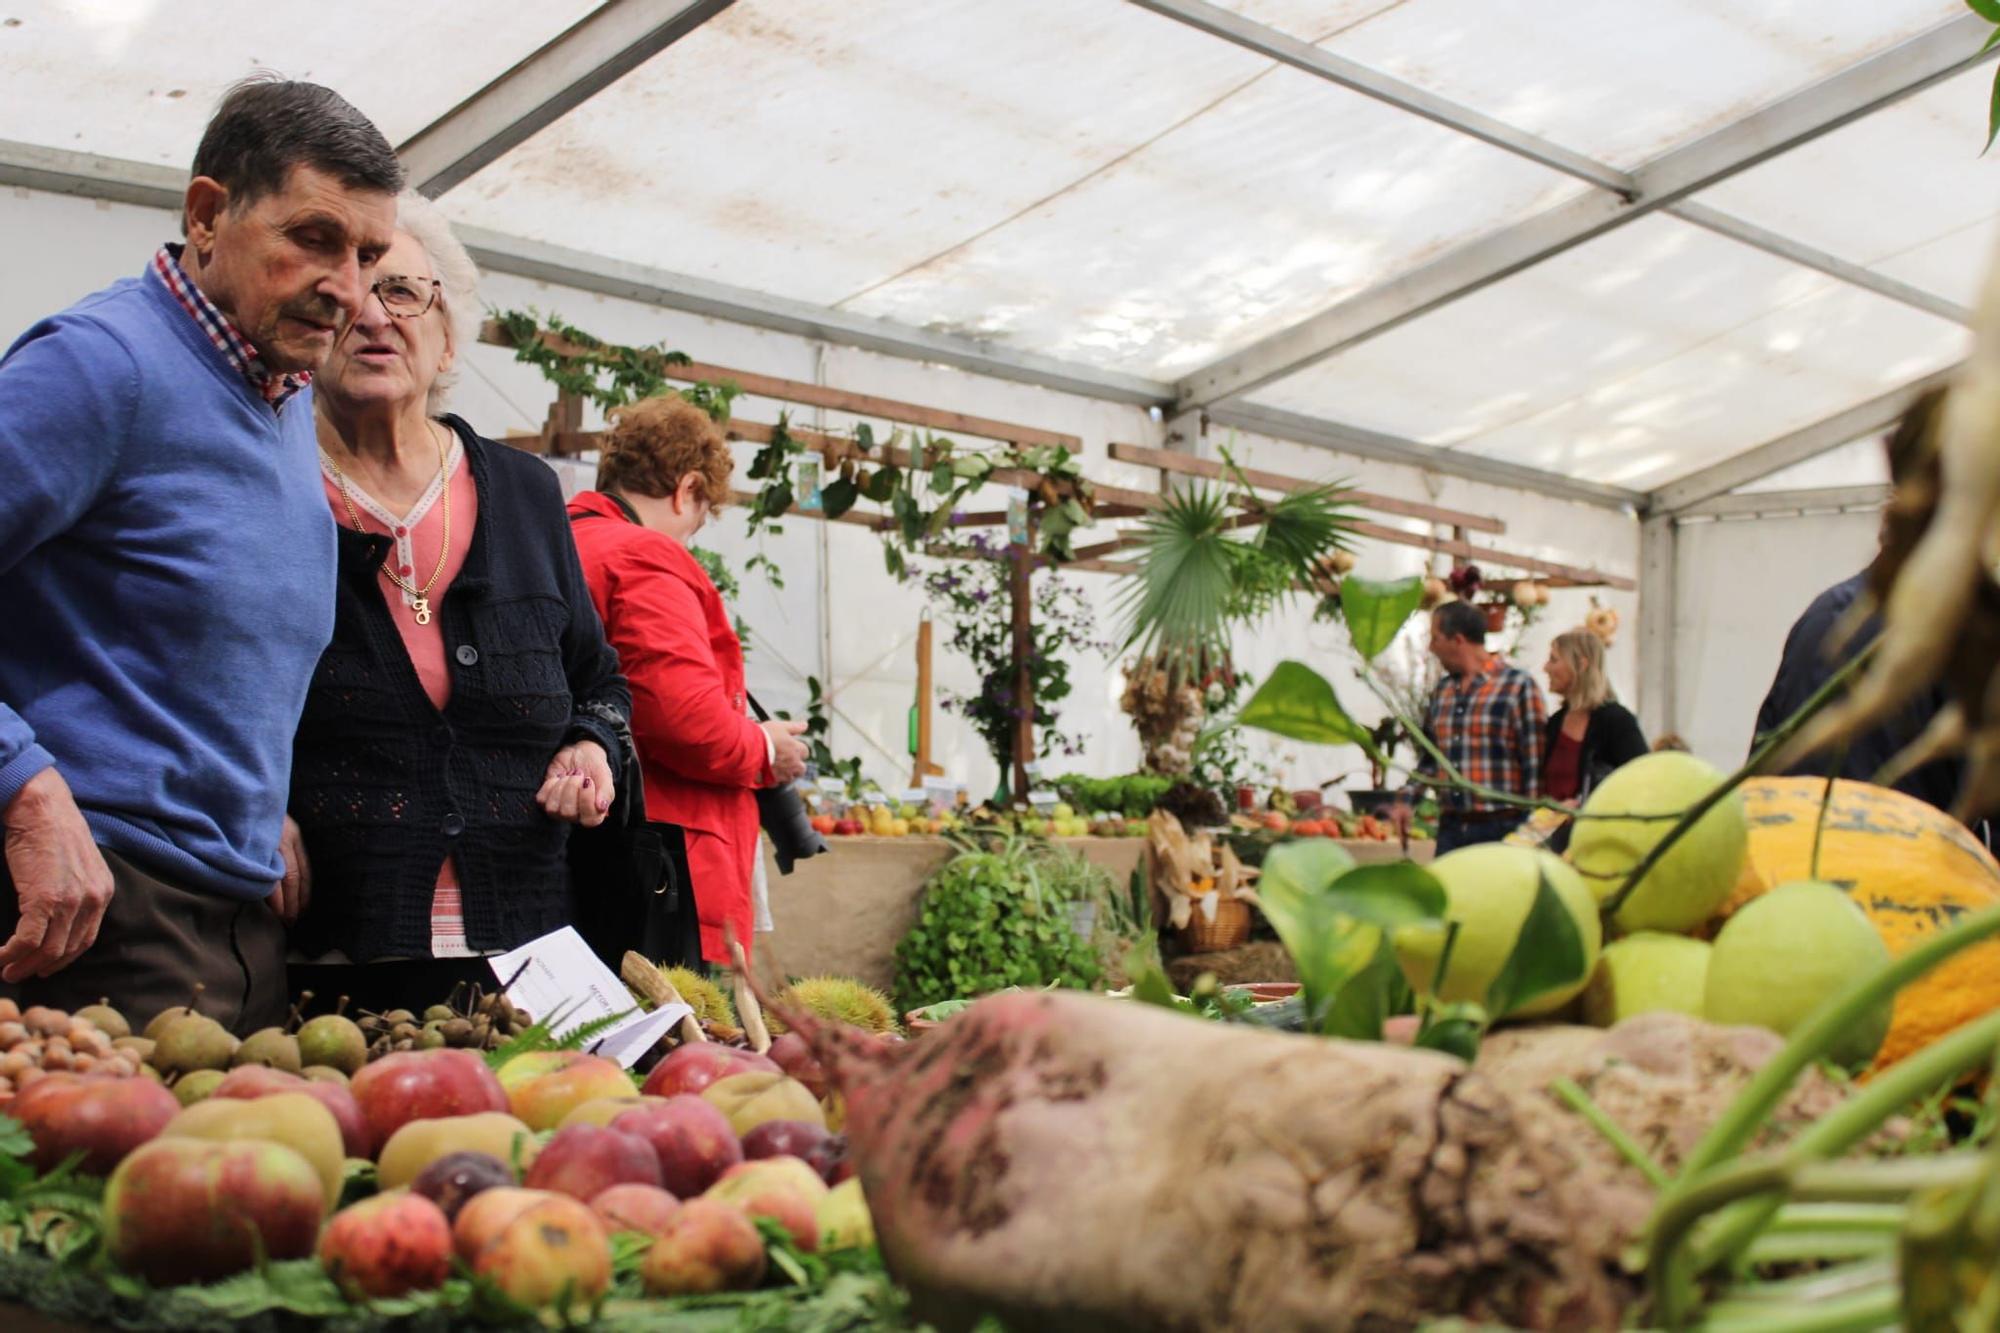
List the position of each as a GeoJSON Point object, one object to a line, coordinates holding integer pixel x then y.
{"type": "Point", "coordinates": [1455, 832]}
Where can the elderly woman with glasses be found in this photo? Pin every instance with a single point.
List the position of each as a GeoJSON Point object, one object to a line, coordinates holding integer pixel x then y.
{"type": "Point", "coordinates": [468, 709]}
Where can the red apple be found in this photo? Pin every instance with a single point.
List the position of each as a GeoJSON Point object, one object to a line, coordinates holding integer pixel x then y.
{"type": "Point", "coordinates": [386, 1246]}
{"type": "Point", "coordinates": [707, 1247]}
{"type": "Point", "coordinates": [829, 1158]}
{"type": "Point", "coordinates": [645, 1208]}
{"type": "Point", "coordinates": [694, 1066]}
{"type": "Point", "coordinates": [691, 1140]}
{"type": "Point", "coordinates": [783, 1138]}
{"type": "Point", "coordinates": [454, 1179]}
{"type": "Point", "coordinates": [541, 1102]}
{"type": "Point", "coordinates": [486, 1214]}
{"type": "Point", "coordinates": [554, 1253]}
{"type": "Point", "coordinates": [102, 1117]}
{"type": "Point", "coordinates": [791, 1054]}
{"type": "Point", "coordinates": [192, 1210]}
{"type": "Point", "coordinates": [585, 1160]}
{"type": "Point", "coordinates": [254, 1081]}
{"type": "Point", "coordinates": [423, 1085]}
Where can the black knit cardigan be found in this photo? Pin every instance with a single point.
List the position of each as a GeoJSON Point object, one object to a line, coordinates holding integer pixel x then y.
{"type": "Point", "coordinates": [384, 785]}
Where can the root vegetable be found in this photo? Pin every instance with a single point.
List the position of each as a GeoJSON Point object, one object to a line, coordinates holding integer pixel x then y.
{"type": "Point", "coordinates": [1073, 1162]}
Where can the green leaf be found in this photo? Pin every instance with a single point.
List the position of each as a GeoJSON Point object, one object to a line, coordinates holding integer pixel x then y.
{"type": "Point", "coordinates": [1992, 116]}
{"type": "Point", "coordinates": [14, 1138]}
{"type": "Point", "coordinates": [1548, 955]}
{"type": "Point", "coordinates": [1992, 40]}
{"type": "Point", "coordinates": [1362, 1002]}
{"type": "Point", "coordinates": [838, 497]}
{"type": "Point", "coordinates": [774, 499]}
{"type": "Point", "coordinates": [1455, 1029]}
{"type": "Point", "coordinates": [1331, 916]}
{"type": "Point", "coordinates": [1986, 9]}
{"type": "Point", "coordinates": [882, 486]}
{"type": "Point", "coordinates": [1376, 610]}
{"type": "Point", "coordinates": [864, 437]}
{"type": "Point", "coordinates": [1298, 702]}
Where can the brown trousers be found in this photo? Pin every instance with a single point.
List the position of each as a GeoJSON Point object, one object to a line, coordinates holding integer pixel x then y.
{"type": "Point", "coordinates": [157, 941]}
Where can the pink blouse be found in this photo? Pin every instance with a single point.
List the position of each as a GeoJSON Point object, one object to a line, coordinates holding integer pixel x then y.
{"type": "Point", "coordinates": [417, 536]}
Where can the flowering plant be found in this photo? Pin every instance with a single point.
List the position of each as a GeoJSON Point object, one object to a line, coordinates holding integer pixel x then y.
{"type": "Point", "coordinates": [972, 599]}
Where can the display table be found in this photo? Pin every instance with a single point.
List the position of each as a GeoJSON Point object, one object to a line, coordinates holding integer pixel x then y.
{"type": "Point", "coordinates": [843, 913]}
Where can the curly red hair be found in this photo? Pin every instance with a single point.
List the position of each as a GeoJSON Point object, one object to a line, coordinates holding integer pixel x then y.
{"type": "Point", "coordinates": [654, 443]}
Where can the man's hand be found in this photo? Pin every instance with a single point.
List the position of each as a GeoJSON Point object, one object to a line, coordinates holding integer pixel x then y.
{"type": "Point", "coordinates": [294, 891]}
{"type": "Point", "coordinates": [60, 880]}
{"type": "Point", "coordinates": [579, 786]}
{"type": "Point", "coordinates": [788, 752]}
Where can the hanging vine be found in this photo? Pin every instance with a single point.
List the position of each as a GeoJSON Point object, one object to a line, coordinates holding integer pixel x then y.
{"type": "Point", "coordinates": [919, 481]}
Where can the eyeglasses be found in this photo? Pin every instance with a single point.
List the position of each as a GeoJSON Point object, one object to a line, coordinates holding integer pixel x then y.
{"type": "Point", "coordinates": [405, 297]}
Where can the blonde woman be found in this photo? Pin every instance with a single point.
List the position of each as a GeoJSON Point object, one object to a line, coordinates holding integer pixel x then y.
{"type": "Point", "coordinates": [1592, 733]}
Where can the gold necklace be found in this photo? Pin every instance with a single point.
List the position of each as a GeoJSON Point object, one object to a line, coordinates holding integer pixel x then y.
{"type": "Point", "coordinates": [420, 601]}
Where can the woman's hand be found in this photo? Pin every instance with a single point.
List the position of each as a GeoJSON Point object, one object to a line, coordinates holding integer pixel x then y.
{"type": "Point", "coordinates": [578, 786]}
{"type": "Point", "coordinates": [294, 891]}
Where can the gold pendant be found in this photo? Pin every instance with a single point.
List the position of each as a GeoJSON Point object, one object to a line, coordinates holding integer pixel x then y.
{"type": "Point", "coordinates": [422, 606]}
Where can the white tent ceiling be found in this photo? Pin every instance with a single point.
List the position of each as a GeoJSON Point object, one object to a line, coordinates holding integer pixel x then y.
{"type": "Point", "coordinates": [1621, 246]}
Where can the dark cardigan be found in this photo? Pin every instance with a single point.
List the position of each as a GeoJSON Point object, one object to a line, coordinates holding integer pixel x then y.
{"type": "Point", "coordinates": [384, 785]}
{"type": "Point", "coordinates": [1611, 739]}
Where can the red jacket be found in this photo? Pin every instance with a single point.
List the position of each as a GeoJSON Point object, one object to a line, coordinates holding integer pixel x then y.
{"type": "Point", "coordinates": [701, 756]}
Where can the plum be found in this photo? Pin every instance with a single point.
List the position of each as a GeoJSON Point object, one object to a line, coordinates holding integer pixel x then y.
{"type": "Point", "coordinates": [456, 1177]}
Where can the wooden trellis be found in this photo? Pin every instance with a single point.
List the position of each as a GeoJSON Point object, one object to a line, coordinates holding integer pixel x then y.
{"type": "Point", "coordinates": [562, 435]}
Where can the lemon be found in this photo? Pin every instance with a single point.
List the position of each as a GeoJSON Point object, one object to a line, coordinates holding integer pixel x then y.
{"type": "Point", "coordinates": [1695, 876]}
{"type": "Point", "coordinates": [1646, 973]}
{"type": "Point", "coordinates": [1489, 891]}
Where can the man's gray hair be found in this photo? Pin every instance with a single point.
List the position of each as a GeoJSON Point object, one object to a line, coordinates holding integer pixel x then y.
{"type": "Point", "coordinates": [459, 294]}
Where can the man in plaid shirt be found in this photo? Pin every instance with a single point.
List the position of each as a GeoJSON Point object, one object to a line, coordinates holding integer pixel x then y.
{"type": "Point", "coordinates": [1488, 719]}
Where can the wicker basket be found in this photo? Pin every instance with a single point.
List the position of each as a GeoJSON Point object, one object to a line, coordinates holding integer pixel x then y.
{"type": "Point", "coordinates": [1229, 930]}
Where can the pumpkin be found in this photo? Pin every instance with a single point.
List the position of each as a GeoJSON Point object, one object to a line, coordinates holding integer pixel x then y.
{"type": "Point", "coordinates": [1912, 868]}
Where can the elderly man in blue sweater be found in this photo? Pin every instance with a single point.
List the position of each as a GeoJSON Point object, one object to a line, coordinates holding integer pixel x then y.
{"type": "Point", "coordinates": [167, 572]}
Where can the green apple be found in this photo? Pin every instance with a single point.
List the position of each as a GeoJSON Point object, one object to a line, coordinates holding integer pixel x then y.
{"type": "Point", "coordinates": [1649, 972]}
{"type": "Point", "coordinates": [1628, 815]}
{"type": "Point", "coordinates": [1786, 953]}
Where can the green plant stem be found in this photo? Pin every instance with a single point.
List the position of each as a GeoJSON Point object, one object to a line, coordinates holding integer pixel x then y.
{"type": "Point", "coordinates": [1669, 1275]}
{"type": "Point", "coordinates": [1943, 1061]}
{"type": "Point", "coordinates": [1832, 1217]}
{"type": "Point", "coordinates": [1800, 1247]}
{"type": "Point", "coordinates": [1766, 747]}
{"type": "Point", "coordinates": [1892, 1180]}
{"type": "Point", "coordinates": [1863, 1311]}
{"type": "Point", "coordinates": [1579, 1101]}
{"type": "Point", "coordinates": [1826, 804]}
{"type": "Point", "coordinates": [1845, 1279]}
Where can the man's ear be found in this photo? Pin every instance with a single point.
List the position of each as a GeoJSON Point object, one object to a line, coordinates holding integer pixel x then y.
{"type": "Point", "coordinates": [206, 201]}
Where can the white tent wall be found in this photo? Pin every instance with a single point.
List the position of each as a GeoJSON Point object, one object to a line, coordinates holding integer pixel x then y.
{"type": "Point", "coordinates": [1740, 584]}
{"type": "Point", "coordinates": [70, 246]}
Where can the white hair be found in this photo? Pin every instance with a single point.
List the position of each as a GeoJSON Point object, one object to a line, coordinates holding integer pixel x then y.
{"type": "Point", "coordinates": [426, 222]}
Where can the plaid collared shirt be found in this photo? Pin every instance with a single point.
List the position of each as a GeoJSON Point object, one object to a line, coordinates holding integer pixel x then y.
{"type": "Point", "coordinates": [277, 390]}
{"type": "Point", "coordinates": [1491, 728]}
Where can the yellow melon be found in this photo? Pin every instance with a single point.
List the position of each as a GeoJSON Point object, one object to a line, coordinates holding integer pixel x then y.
{"type": "Point", "coordinates": [1912, 868]}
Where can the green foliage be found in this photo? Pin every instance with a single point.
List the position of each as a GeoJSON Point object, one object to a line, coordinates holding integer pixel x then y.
{"type": "Point", "coordinates": [1132, 795]}
{"type": "Point", "coordinates": [58, 1213]}
{"type": "Point", "coordinates": [605, 373]}
{"type": "Point", "coordinates": [540, 1035]}
{"type": "Point", "coordinates": [1199, 576]}
{"type": "Point", "coordinates": [1990, 11]}
{"type": "Point", "coordinates": [1375, 611]}
{"type": "Point", "coordinates": [1548, 955]}
{"type": "Point", "coordinates": [1335, 919]}
{"type": "Point", "coordinates": [1298, 702]}
{"type": "Point", "coordinates": [993, 919]}
{"type": "Point", "coordinates": [819, 727]}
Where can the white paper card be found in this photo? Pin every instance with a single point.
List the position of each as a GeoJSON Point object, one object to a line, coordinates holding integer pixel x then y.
{"type": "Point", "coordinates": [562, 974]}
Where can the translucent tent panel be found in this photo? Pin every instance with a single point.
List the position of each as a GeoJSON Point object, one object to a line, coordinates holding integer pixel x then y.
{"type": "Point", "coordinates": [137, 79]}
{"type": "Point", "coordinates": [1618, 83]}
{"type": "Point", "coordinates": [1904, 191]}
{"type": "Point", "coordinates": [1632, 360]}
{"type": "Point", "coordinates": [1147, 200]}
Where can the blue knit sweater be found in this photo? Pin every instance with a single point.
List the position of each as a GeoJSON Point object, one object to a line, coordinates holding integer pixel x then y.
{"type": "Point", "coordinates": [166, 585]}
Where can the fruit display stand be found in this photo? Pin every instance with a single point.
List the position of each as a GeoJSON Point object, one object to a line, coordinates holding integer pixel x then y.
{"type": "Point", "coordinates": [842, 913]}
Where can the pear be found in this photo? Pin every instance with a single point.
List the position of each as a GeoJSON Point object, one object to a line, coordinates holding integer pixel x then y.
{"type": "Point", "coordinates": [440, 1013]}
{"type": "Point", "coordinates": [334, 1041]}
{"type": "Point", "coordinates": [196, 1087]}
{"type": "Point", "coordinates": [270, 1046]}
{"type": "Point", "coordinates": [324, 1074]}
{"type": "Point", "coordinates": [164, 1017]}
{"type": "Point", "coordinates": [138, 1046]}
{"type": "Point", "coordinates": [105, 1019]}
{"type": "Point", "coordinates": [191, 1043]}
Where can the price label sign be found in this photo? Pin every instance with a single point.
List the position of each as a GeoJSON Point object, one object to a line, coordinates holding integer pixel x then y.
{"type": "Point", "coordinates": [1017, 516]}
{"type": "Point", "coordinates": [559, 981]}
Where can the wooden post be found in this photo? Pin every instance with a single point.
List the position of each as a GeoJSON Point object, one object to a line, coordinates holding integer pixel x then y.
{"type": "Point", "coordinates": [1021, 586]}
{"type": "Point", "coordinates": [921, 766]}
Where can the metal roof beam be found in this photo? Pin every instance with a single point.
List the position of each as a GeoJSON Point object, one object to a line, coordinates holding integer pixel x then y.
{"type": "Point", "coordinates": [1784, 247]}
{"type": "Point", "coordinates": [1352, 74]}
{"type": "Point", "coordinates": [1359, 443]}
{"type": "Point", "coordinates": [1789, 504]}
{"type": "Point", "coordinates": [1819, 109]}
{"type": "Point", "coordinates": [1792, 448]}
{"type": "Point", "coordinates": [92, 176]}
{"type": "Point", "coordinates": [599, 49]}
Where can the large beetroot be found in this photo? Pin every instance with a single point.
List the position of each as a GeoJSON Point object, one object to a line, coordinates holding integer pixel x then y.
{"type": "Point", "coordinates": [1073, 1162]}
